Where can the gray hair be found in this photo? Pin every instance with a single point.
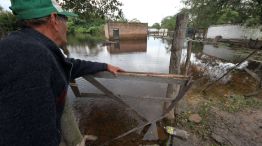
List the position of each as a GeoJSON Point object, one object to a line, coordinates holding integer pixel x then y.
{"type": "Point", "coordinates": [33, 22]}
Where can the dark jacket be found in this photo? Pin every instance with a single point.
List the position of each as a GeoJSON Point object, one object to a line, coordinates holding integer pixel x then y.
{"type": "Point", "coordinates": [34, 77]}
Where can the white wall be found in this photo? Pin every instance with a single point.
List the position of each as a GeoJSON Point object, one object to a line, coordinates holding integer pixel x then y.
{"type": "Point", "coordinates": [234, 32]}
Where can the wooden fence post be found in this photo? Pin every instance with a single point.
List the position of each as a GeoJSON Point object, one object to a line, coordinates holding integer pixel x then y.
{"type": "Point", "coordinates": [175, 58]}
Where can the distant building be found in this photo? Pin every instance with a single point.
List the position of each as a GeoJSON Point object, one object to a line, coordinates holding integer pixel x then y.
{"type": "Point", "coordinates": [158, 32]}
{"type": "Point", "coordinates": [234, 32]}
{"type": "Point", "coordinates": [125, 30]}
{"type": "Point", "coordinates": [152, 30]}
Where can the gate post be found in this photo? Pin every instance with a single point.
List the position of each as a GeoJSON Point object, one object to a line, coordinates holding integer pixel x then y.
{"type": "Point", "coordinates": [175, 58]}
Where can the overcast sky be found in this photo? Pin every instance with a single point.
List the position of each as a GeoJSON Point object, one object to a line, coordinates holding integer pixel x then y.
{"type": "Point", "coordinates": [5, 4]}
{"type": "Point", "coordinates": [147, 11]}
{"type": "Point", "coordinates": [150, 11]}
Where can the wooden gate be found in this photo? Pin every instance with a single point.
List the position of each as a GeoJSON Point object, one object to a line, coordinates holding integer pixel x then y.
{"type": "Point", "coordinates": [185, 83]}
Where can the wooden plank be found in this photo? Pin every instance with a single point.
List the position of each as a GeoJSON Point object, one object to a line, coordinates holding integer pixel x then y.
{"type": "Point", "coordinates": [145, 76]}
{"type": "Point", "coordinates": [149, 98]}
{"type": "Point", "coordinates": [74, 88]}
{"type": "Point", "coordinates": [97, 95]}
{"type": "Point", "coordinates": [149, 74]}
{"type": "Point", "coordinates": [92, 95]}
{"type": "Point", "coordinates": [254, 60]}
{"type": "Point", "coordinates": [252, 74]}
{"type": "Point", "coordinates": [255, 93]}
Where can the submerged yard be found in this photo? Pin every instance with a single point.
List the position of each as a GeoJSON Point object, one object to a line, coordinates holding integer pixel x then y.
{"type": "Point", "coordinates": [227, 117]}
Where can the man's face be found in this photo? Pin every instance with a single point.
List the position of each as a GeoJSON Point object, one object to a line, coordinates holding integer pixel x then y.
{"type": "Point", "coordinates": [62, 29]}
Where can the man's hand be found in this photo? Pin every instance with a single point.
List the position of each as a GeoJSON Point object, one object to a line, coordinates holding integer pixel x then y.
{"type": "Point", "coordinates": [114, 69]}
{"type": "Point", "coordinates": [87, 139]}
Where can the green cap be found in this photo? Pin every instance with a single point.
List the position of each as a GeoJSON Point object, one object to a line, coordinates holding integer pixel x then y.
{"type": "Point", "coordinates": [30, 9]}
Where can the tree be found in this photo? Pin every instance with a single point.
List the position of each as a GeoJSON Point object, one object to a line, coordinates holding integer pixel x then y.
{"type": "Point", "coordinates": [156, 26]}
{"type": "Point", "coordinates": [251, 11]}
{"type": "Point", "coordinates": [204, 13]}
{"type": "Point", "coordinates": [122, 19]}
{"type": "Point", "coordinates": [229, 16]}
{"type": "Point", "coordinates": [92, 14]}
{"type": "Point", "coordinates": [93, 9]}
{"type": "Point", "coordinates": [169, 22]}
{"type": "Point", "coordinates": [7, 22]}
{"type": "Point", "coordinates": [135, 20]}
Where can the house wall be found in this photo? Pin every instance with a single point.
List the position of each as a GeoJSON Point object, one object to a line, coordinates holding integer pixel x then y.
{"type": "Point", "coordinates": [234, 32]}
{"type": "Point", "coordinates": [126, 30]}
{"type": "Point", "coordinates": [106, 31]}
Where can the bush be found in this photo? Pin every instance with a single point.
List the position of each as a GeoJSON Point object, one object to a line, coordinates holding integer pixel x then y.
{"type": "Point", "coordinates": [7, 22]}
{"type": "Point", "coordinates": [81, 29]}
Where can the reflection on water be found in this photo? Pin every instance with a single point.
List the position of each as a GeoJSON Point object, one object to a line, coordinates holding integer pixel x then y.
{"type": "Point", "coordinates": [146, 56]}
{"type": "Point", "coordinates": [82, 51]}
{"type": "Point", "coordinates": [224, 53]}
{"type": "Point", "coordinates": [106, 119]}
{"type": "Point", "coordinates": [127, 46]}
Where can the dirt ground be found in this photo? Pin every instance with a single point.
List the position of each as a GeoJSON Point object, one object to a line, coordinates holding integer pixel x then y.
{"type": "Point", "coordinates": [228, 119]}
{"type": "Point", "coordinates": [243, 128]}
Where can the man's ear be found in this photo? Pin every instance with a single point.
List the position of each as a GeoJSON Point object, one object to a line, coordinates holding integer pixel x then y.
{"type": "Point", "coordinates": [53, 21]}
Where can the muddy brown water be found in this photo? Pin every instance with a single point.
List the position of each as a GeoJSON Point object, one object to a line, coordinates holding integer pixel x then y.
{"type": "Point", "coordinates": [106, 118]}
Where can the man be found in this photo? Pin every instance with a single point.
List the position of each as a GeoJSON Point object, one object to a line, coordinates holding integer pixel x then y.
{"type": "Point", "coordinates": [35, 75]}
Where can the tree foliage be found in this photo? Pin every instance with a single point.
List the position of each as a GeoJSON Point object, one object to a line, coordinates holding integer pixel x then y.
{"type": "Point", "coordinates": [92, 14]}
{"type": "Point", "coordinates": [169, 22]}
{"type": "Point", "coordinates": [135, 20]}
{"type": "Point", "coordinates": [7, 22]}
{"type": "Point", "coordinates": [156, 26]}
{"type": "Point", "coordinates": [229, 16]}
{"type": "Point", "coordinates": [94, 26]}
{"type": "Point", "coordinates": [93, 9]}
{"type": "Point", "coordinates": [204, 13]}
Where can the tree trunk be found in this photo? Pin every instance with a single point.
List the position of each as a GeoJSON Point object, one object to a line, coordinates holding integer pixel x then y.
{"type": "Point", "coordinates": [176, 51]}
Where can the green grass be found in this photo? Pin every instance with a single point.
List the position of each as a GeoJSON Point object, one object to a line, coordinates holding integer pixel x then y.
{"type": "Point", "coordinates": [237, 103]}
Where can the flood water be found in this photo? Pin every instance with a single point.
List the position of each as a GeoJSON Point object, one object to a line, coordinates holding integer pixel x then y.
{"type": "Point", "coordinates": [106, 118]}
